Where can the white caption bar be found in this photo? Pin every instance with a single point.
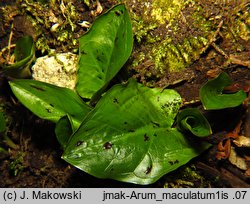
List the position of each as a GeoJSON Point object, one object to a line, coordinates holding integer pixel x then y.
{"type": "Point", "coordinates": [117, 195]}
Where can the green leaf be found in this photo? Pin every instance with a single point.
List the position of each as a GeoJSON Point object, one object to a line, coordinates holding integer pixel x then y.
{"type": "Point", "coordinates": [192, 120]}
{"type": "Point", "coordinates": [24, 54]}
{"type": "Point", "coordinates": [128, 136]}
{"type": "Point", "coordinates": [64, 129]}
{"type": "Point", "coordinates": [103, 51]}
{"type": "Point", "coordinates": [48, 101]}
{"type": "Point", "coordinates": [2, 123]}
{"type": "Point", "coordinates": [212, 97]}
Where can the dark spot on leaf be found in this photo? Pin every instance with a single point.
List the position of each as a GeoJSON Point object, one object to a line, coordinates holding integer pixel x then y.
{"type": "Point", "coordinates": [116, 40]}
{"type": "Point", "coordinates": [98, 59]}
{"type": "Point", "coordinates": [131, 130]}
{"type": "Point", "coordinates": [115, 100]}
{"type": "Point", "coordinates": [173, 162]}
{"type": "Point", "coordinates": [99, 77]}
{"type": "Point", "coordinates": [155, 125]}
{"type": "Point", "coordinates": [37, 88]}
{"type": "Point", "coordinates": [51, 105]}
{"type": "Point", "coordinates": [148, 170]}
{"type": "Point", "coordinates": [48, 110]}
{"type": "Point", "coordinates": [146, 138]}
{"type": "Point", "coordinates": [79, 143]}
{"type": "Point", "coordinates": [165, 106]}
{"type": "Point", "coordinates": [107, 145]}
{"type": "Point", "coordinates": [155, 135]}
{"type": "Point", "coordinates": [158, 98]}
{"type": "Point", "coordinates": [83, 52]}
{"type": "Point", "coordinates": [118, 13]}
{"type": "Point", "coordinates": [125, 123]}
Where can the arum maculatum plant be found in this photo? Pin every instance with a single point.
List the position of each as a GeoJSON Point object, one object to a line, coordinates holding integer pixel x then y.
{"type": "Point", "coordinates": [129, 135]}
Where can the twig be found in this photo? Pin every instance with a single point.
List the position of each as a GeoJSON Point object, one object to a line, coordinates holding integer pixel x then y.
{"type": "Point", "coordinates": [9, 43]}
{"type": "Point", "coordinates": [213, 38]}
{"type": "Point", "coordinates": [231, 59]}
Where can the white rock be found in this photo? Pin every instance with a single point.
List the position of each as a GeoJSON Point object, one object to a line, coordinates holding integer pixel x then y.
{"type": "Point", "coordinates": [58, 69]}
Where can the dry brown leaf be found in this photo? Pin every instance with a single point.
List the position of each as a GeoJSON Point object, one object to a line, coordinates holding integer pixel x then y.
{"type": "Point", "coordinates": [247, 173]}
{"type": "Point", "coordinates": [237, 160]}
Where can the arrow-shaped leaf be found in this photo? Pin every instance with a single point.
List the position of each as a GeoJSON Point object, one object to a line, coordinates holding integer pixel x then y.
{"type": "Point", "coordinates": [48, 101]}
{"type": "Point", "coordinates": [128, 136]}
{"type": "Point", "coordinates": [103, 51]}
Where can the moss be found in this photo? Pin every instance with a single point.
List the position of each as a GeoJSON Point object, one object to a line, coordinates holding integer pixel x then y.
{"type": "Point", "coordinates": [167, 10]}
{"type": "Point", "coordinates": [17, 165]}
{"type": "Point", "coordinates": [186, 177]}
{"type": "Point", "coordinates": [242, 29]}
{"type": "Point", "coordinates": [41, 44]}
{"type": "Point", "coordinates": [172, 35]}
{"type": "Point", "coordinates": [55, 23]}
{"type": "Point", "coordinates": [169, 34]}
{"type": "Point", "coordinates": [142, 29]}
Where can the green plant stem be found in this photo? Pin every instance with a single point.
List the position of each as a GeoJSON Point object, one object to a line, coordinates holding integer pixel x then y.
{"type": "Point", "coordinates": [9, 142]}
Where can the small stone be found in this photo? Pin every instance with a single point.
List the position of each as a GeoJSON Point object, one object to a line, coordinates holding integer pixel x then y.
{"type": "Point", "coordinates": [59, 69]}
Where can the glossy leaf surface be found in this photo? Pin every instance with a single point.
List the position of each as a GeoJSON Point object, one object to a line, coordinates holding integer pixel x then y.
{"type": "Point", "coordinates": [103, 50]}
{"type": "Point", "coordinates": [64, 129]}
{"type": "Point", "coordinates": [48, 101]}
{"type": "Point", "coordinates": [128, 136]}
{"type": "Point", "coordinates": [212, 97]}
{"type": "Point", "coordinates": [192, 120]}
{"type": "Point", "coordinates": [24, 54]}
